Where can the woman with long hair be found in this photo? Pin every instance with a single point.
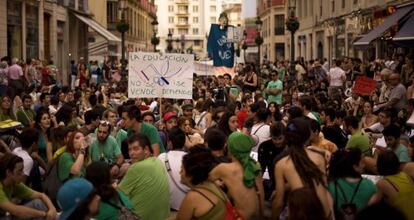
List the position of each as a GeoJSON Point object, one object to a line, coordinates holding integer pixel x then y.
{"type": "Point", "coordinates": [300, 168]}
{"type": "Point", "coordinates": [347, 184]}
{"type": "Point", "coordinates": [99, 174]}
{"type": "Point", "coordinates": [228, 123]}
{"type": "Point", "coordinates": [368, 117]}
{"type": "Point", "coordinates": [274, 110]}
{"type": "Point", "coordinates": [73, 161]}
{"type": "Point", "coordinates": [6, 111]}
{"type": "Point", "coordinates": [191, 136]}
{"type": "Point", "coordinates": [43, 124]}
{"type": "Point", "coordinates": [205, 200]}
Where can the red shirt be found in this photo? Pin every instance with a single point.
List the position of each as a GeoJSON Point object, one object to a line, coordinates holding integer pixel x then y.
{"type": "Point", "coordinates": [241, 117]}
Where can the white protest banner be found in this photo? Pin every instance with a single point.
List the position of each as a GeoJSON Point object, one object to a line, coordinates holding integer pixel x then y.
{"type": "Point", "coordinates": [153, 75]}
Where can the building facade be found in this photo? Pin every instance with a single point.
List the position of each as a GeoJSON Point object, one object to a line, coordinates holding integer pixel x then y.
{"type": "Point", "coordinates": [272, 14]}
{"type": "Point", "coordinates": [138, 14]}
{"type": "Point", "coordinates": [188, 21]}
{"type": "Point", "coordinates": [328, 28]}
{"type": "Point", "coordinates": [40, 29]}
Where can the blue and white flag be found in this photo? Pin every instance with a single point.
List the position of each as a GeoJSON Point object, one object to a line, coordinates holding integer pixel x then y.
{"type": "Point", "coordinates": [219, 47]}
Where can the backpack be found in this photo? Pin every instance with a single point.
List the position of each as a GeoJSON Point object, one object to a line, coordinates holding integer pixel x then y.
{"type": "Point", "coordinates": [51, 183]}
{"type": "Point", "coordinates": [124, 213]}
{"type": "Point", "coordinates": [348, 210]}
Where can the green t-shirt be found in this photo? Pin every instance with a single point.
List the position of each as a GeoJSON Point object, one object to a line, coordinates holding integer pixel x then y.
{"type": "Point", "coordinates": [109, 150]}
{"type": "Point", "coordinates": [121, 135]}
{"type": "Point", "coordinates": [25, 116]}
{"type": "Point", "coordinates": [366, 190]}
{"type": "Point", "coordinates": [361, 141]}
{"type": "Point", "coordinates": [66, 160]}
{"type": "Point", "coordinates": [152, 133]}
{"type": "Point", "coordinates": [146, 184]}
{"type": "Point", "coordinates": [281, 72]}
{"type": "Point", "coordinates": [275, 98]}
{"type": "Point", "coordinates": [402, 153]}
{"type": "Point", "coordinates": [108, 212]}
{"type": "Point", "coordinates": [20, 191]}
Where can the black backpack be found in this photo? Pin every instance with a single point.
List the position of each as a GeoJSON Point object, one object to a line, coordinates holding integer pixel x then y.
{"type": "Point", "coordinates": [348, 210]}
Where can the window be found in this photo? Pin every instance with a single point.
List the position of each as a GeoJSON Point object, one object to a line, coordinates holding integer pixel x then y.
{"type": "Point", "coordinates": [182, 31]}
{"type": "Point", "coordinates": [212, 19]}
{"type": "Point", "coordinates": [183, 20]}
{"type": "Point", "coordinates": [195, 20]}
{"type": "Point", "coordinates": [195, 31]}
{"type": "Point", "coordinates": [170, 19]}
{"type": "Point", "coordinates": [279, 24]}
{"type": "Point", "coordinates": [333, 6]}
{"type": "Point", "coordinates": [111, 12]}
{"type": "Point", "coordinates": [197, 42]}
{"type": "Point", "coordinates": [213, 8]}
{"type": "Point", "coordinates": [171, 30]}
{"type": "Point", "coordinates": [182, 9]}
{"type": "Point", "coordinates": [343, 3]}
{"type": "Point", "coordinates": [195, 8]}
{"type": "Point", "coordinates": [355, 2]}
{"type": "Point", "coordinates": [170, 8]}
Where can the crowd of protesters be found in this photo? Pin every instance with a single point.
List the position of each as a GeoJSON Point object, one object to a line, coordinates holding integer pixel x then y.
{"type": "Point", "coordinates": [258, 144]}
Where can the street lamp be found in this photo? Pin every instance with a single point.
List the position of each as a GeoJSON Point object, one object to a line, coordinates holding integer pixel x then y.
{"type": "Point", "coordinates": [182, 43]}
{"type": "Point", "coordinates": [292, 25]}
{"type": "Point", "coordinates": [258, 40]}
{"type": "Point", "coordinates": [122, 27]}
{"type": "Point", "coordinates": [155, 40]}
{"type": "Point", "coordinates": [169, 42]}
{"type": "Point", "coordinates": [244, 45]}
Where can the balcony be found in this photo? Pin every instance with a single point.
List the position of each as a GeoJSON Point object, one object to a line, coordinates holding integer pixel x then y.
{"type": "Point", "coordinates": [182, 2]}
{"type": "Point", "coordinates": [183, 24]}
{"type": "Point", "coordinates": [182, 12]}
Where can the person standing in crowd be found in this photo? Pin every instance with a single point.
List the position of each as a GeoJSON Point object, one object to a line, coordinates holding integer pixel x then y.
{"type": "Point", "coordinates": [12, 188]}
{"type": "Point", "coordinates": [15, 76]}
{"type": "Point", "coordinates": [4, 82]}
{"type": "Point", "coordinates": [336, 78]}
{"type": "Point", "coordinates": [250, 82]}
{"type": "Point", "coordinates": [146, 182]}
{"type": "Point", "coordinates": [274, 89]}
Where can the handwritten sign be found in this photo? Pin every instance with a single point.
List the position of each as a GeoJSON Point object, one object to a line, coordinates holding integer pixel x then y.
{"type": "Point", "coordinates": [152, 75]}
{"type": "Point", "coordinates": [364, 85]}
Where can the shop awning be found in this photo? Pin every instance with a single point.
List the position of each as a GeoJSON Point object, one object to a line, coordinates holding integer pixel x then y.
{"type": "Point", "coordinates": [406, 33]}
{"type": "Point", "coordinates": [380, 30]}
{"type": "Point", "coordinates": [98, 28]}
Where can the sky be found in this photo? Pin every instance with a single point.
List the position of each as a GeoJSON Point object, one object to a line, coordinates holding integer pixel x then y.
{"type": "Point", "coordinates": [248, 8]}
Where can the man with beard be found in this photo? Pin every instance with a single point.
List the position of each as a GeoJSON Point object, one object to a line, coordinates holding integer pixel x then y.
{"type": "Point", "coordinates": [106, 149]}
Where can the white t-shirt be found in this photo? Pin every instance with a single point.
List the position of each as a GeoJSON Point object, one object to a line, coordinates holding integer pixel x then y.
{"type": "Point", "coordinates": [335, 74]}
{"type": "Point", "coordinates": [176, 187]}
{"type": "Point", "coordinates": [262, 131]}
{"type": "Point", "coordinates": [27, 160]}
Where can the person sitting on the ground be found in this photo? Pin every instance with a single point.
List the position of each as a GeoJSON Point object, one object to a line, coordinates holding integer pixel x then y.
{"type": "Point", "coordinates": [242, 177]}
{"type": "Point", "coordinates": [78, 200]}
{"type": "Point", "coordinates": [215, 139]}
{"type": "Point", "coordinates": [146, 182]}
{"type": "Point", "coordinates": [172, 161]}
{"type": "Point", "coordinates": [11, 188]}
{"type": "Point", "coordinates": [205, 200]}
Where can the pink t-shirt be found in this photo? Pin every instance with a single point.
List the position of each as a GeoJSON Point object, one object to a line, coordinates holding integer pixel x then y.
{"type": "Point", "coordinates": [15, 72]}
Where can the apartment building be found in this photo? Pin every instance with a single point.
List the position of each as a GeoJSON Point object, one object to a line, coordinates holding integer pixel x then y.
{"type": "Point", "coordinates": [189, 23]}
{"type": "Point", "coordinates": [328, 28]}
{"type": "Point", "coordinates": [272, 14]}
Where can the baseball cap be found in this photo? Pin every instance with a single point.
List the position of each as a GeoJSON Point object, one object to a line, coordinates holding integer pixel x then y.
{"type": "Point", "coordinates": [168, 116]}
{"type": "Point", "coordinates": [71, 194]}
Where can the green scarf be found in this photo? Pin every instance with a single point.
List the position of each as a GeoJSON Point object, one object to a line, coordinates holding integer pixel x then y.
{"type": "Point", "coordinates": [240, 146]}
